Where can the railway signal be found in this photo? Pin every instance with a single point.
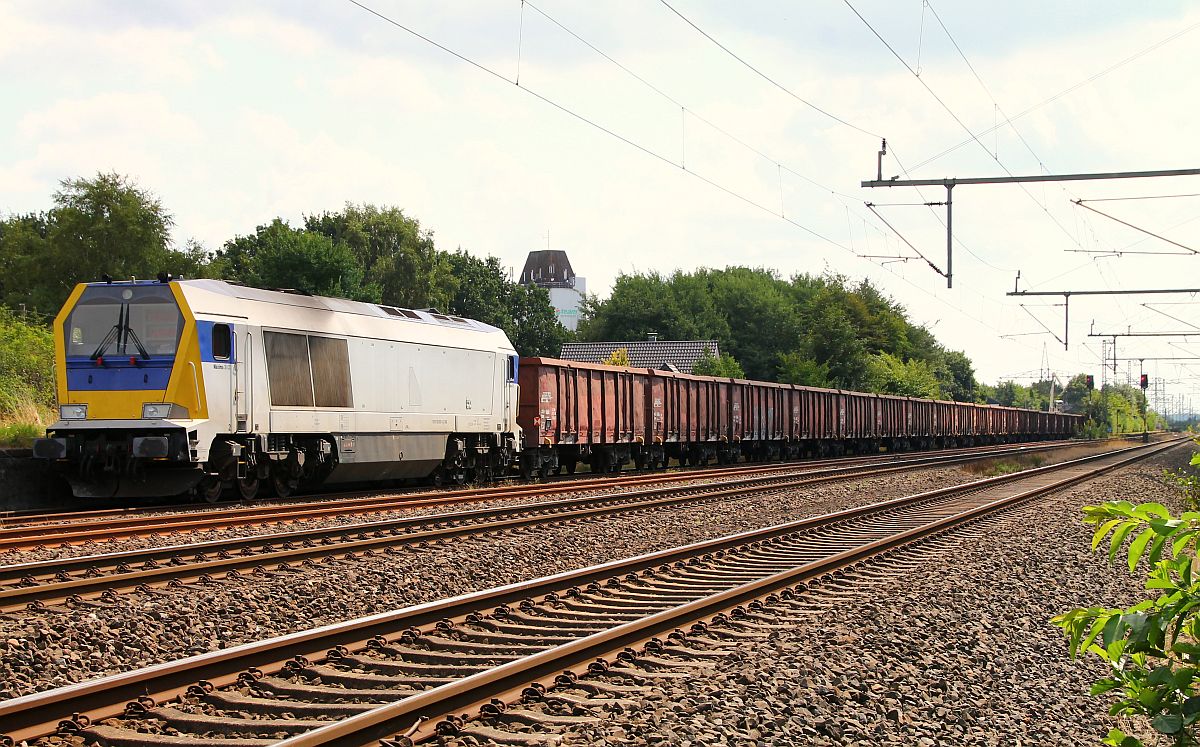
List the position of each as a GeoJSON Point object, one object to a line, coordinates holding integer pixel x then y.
{"type": "Point", "coordinates": [1145, 381]}
{"type": "Point", "coordinates": [1091, 381]}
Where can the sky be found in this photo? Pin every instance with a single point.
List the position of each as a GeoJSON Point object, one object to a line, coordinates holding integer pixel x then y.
{"type": "Point", "coordinates": [619, 132]}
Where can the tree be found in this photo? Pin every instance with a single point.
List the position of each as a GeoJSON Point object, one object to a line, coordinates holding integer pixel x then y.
{"type": "Point", "coordinates": [724, 366]}
{"type": "Point", "coordinates": [795, 368]}
{"type": "Point", "coordinates": [279, 256]}
{"type": "Point", "coordinates": [395, 254]}
{"type": "Point", "coordinates": [889, 375]}
{"type": "Point", "coordinates": [1151, 649]}
{"type": "Point", "coordinates": [103, 225]}
{"type": "Point", "coordinates": [536, 330]}
{"type": "Point", "coordinates": [832, 342]}
{"type": "Point", "coordinates": [618, 357]}
{"type": "Point", "coordinates": [956, 376]}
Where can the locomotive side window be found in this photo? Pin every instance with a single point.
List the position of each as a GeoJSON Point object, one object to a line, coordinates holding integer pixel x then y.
{"type": "Point", "coordinates": [288, 370]}
{"type": "Point", "coordinates": [512, 368]}
{"type": "Point", "coordinates": [330, 372]}
{"type": "Point", "coordinates": [222, 342]}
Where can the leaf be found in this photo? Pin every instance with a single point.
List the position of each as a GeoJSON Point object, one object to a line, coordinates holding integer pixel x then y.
{"type": "Point", "coordinates": [1098, 537]}
{"type": "Point", "coordinates": [1191, 706]}
{"type": "Point", "coordinates": [1181, 542]}
{"type": "Point", "coordinates": [1104, 686]}
{"type": "Point", "coordinates": [1154, 509]}
{"type": "Point", "coordinates": [1167, 723]}
{"type": "Point", "coordinates": [1118, 538]}
{"type": "Point", "coordinates": [1138, 546]}
{"type": "Point", "coordinates": [1156, 550]}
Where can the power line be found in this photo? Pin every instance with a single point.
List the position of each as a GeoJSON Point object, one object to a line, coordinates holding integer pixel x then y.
{"type": "Point", "coordinates": [956, 118]}
{"type": "Point", "coordinates": [768, 78]}
{"type": "Point", "coordinates": [1143, 197]}
{"type": "Point", "coordinates": [1066, 91]}
{"type": "Point", "coordinates": [663, 158]}
{"type": "Point", "coordinates": [596, 125]}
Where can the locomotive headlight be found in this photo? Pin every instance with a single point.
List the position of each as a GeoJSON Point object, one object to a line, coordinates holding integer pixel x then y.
{"type": "Point", "coordinates": [73, 412]}
{"type": "Point", "coordinates": [163, 410]}
{"type": "Point", "coordinates": [156, 410]}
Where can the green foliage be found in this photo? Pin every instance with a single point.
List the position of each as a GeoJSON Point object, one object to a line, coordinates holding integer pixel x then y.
{"type": "Point", "coordinates": [394, 252]}
{"type": "Point", "coordinates": [795, 368]}
{"type": "Point", "coordinates": [889, 375]}
{"type": "Point", "coordinates": [26, 367]}
{"type": "Point", "coordinates": [482, 290]}
{"type": "Point", "coordinates": [723, 366]}
{"type": "Point", "coordinates": [618, 357]}
{"type": "Point", "coordinates": [1152, 649]}
{"type": "Point", "coordinates": [279, 256]}
{"type": "Point", "coordinates": [817, 331]}
{"type": "Point", "coordinates": [106, 224]}
{"type": "Point", "coordinates": [109, 225]}
{"type": "Point", "coordinates": [20, 435]}
{"type": "Point", "coordinates": [1188, 482]}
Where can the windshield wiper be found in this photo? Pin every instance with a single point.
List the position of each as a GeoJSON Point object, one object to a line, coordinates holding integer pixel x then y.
{"type": "Point", "coordinates": [120, 333]}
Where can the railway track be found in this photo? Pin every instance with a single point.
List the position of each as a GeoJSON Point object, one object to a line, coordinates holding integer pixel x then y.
{"type": "Point", "coordinates": [417, 670]}
{"type": "Point", "coordinates": [75, 582]}
{"type": "Point", "coordinates": [99, 526]}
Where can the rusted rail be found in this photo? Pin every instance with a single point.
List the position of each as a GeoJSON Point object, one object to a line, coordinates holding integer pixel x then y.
{"type": "Point", "coordinates": [94, 529]}
{"type": "Point", "coordinates": [376, 676]}
{"type": "Point", "coordinates": [72, 580]}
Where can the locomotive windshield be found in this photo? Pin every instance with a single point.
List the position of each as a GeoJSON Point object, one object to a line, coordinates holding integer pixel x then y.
{"type": "Point", "coordinates": [134, 320]}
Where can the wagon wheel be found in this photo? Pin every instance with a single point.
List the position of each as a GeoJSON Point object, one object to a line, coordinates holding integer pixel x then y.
{"type": "Point", "coordinates": [571, 465]}
{"type": "Point", "coordinates": [210, 489]}
{"type": "Point", "coordinates": [544, 471]}
{"type": "Point", "coordinates": [438, 478]}
{"type": "Point", "coordinates": [248, 486]}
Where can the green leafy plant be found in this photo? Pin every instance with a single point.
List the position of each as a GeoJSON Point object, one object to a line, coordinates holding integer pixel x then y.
{"type": "Point", "coordinates": [1152, 649]}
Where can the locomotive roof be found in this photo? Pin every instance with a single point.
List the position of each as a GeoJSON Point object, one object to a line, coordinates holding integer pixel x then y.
{"type": "Point", "coordinates": [280, 308]}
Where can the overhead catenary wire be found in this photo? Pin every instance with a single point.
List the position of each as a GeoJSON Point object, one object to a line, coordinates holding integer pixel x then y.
{"type": "Point", "coordinates": [664, 159]}
{"type": "Point", "coordinates": [592, 123]}
{"type": "Point", "coordinates": [1067, 90]}
{"type": "Point", "coordinates": [851, 125]}
{"type": "Point", "coordinates": [956, 118]}
{"type": "Point", "coordinates": [1136, 228]}
{"type": "Point", "coordinates": [768, 78]}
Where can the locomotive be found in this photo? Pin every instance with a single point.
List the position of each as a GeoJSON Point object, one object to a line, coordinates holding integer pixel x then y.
{"type": "Point", "coordinates": [206, 387]}
{"type": "Point", "coordinates": [172, 386]}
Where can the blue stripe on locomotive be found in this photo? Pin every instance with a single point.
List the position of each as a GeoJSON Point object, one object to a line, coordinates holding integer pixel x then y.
{"type": "Point", "coordinates": [120, 376]}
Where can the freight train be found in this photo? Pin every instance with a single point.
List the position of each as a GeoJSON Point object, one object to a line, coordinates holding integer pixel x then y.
{"type": "Point", "coordinates": [207, 387]}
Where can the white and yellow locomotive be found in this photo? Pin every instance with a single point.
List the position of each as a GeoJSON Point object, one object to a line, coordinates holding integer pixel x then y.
{"type": "Point", "coordinates": [172, 386]}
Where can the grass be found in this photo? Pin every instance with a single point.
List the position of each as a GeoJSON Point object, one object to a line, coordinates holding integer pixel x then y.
{"type": "Point", "coordinates": [997, 467]}
{"type": "Point", "coordinates": [24, 423]}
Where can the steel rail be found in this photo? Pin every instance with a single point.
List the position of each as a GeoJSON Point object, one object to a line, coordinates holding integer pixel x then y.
{"type": "Point", "coordinates": [54, 581]}
{"type": "Point", "coordinates": [35, 535]}
{"type": "Point", "coordinates": [23, 524]}
{"type": "Point", "coordinates": [39, 714]}
{"type": "Point", "coordinates": [430, 706]}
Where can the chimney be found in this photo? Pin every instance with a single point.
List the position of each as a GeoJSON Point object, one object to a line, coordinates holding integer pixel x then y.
{"type": "Point", "coordinates": [652, 336]}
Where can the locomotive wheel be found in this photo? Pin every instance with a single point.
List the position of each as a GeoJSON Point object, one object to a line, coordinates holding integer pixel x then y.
{"type": "Point", "coordinates": [282, 484]}
{"type": "Point", "coordinates": [248, 487]}
{"type": "Point", "coordinates": [210, 489]}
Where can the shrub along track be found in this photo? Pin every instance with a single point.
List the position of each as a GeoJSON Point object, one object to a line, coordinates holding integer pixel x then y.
{"type": "Point", "coordinates": [73, 581]}
{"type": "Point", "coordinates": [409, 671]}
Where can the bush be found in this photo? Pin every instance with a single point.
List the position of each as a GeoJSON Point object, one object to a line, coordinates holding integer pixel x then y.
{"type": "Point", "coordinates": [27, 390]}
{"type": "Point", "coordinates": [1152, 649]}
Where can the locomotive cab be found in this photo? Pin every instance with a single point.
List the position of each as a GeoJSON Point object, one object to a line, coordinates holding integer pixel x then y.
{"type": "Point", "coordinates": [129, 390]}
